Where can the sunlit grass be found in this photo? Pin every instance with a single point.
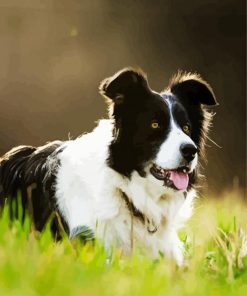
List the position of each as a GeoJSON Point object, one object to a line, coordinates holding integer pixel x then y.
{"type": "Point", "coordinates": [216, 251]}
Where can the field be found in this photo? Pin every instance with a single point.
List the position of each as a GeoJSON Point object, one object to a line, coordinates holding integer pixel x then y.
{"type": "Point", "coordinates": [216, 251]}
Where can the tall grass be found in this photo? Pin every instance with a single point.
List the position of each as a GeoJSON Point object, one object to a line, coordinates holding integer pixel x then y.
{"type": "Point", "coordinates": [216, 252]}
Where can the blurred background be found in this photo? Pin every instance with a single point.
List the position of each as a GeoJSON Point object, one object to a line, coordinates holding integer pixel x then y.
{"type": "Point", "coordinates": [54, 53]}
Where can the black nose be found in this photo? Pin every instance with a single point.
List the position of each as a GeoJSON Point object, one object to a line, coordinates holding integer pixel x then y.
{"type": "Point", "coordinates": [188, 151]}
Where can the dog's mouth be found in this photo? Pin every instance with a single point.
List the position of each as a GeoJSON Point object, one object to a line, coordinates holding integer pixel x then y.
{"type": "Point", "coordinates": [177, 179]}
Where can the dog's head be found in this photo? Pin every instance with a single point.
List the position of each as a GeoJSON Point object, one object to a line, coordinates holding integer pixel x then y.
{"type": "Point", "coordinates": [158, 133]}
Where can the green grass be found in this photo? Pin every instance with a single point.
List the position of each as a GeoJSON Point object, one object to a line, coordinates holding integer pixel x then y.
{"type": "Point", "coordinates": [216, 247]}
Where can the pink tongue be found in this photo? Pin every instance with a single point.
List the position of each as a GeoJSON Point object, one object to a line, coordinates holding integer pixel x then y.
{"type": "Point", "coordinates": [180, 179]}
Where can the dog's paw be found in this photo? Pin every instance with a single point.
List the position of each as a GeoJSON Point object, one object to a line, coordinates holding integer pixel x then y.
{"type": "Point", "coordinates": [84, 233]}
{"type": "Point", "coordinates": [178, 256]}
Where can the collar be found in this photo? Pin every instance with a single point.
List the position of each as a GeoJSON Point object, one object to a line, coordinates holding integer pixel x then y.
{"type": "Point", "coordinates": [151, 227]}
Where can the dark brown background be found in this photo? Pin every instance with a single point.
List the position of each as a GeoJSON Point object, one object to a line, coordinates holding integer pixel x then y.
{"type": "Point", "coordinates": [54, 53]}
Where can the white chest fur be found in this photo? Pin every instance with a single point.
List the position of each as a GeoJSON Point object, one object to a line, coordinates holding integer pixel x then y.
{"type": "Point", "coordinates": [168, 211]}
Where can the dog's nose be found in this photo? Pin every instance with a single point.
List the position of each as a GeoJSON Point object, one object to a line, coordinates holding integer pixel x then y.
{"type": "Point", "coordinates": [188, 151]}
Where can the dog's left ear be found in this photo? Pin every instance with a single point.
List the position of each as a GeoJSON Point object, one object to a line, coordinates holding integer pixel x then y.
{"type": "Point", "coordinates": [192, 88]}
{"type": "Point", "coordinates": [120, 85]}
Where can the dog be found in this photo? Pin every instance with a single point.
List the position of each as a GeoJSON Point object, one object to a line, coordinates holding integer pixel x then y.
{"type": "Point", "coordinates": [132, 181]}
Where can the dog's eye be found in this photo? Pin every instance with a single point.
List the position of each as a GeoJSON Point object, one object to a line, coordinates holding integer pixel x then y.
{"type": "Point", "coordinates": [186, 128]}
{"type": "Point", "coordinates": [155, 125]}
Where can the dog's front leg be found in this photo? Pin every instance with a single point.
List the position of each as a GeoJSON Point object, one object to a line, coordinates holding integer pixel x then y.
{"type": "Point", "coordinates": [172, 247]}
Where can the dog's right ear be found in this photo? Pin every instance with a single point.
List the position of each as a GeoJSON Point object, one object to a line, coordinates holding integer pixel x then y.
{"type": "Point", "coordinates": [120, 85]}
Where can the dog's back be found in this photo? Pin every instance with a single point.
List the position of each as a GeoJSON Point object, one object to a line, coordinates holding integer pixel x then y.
{"type": "Point", "coordinates": [26, 172]}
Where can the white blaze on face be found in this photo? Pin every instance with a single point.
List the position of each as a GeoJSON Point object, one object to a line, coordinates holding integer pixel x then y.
{"type": "Point", "coordinates": [169, 155]}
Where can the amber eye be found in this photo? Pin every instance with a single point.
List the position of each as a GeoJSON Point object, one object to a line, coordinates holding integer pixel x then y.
{"type": "Point", "coordinates": [155, 125]}
{"type": "Point", "coordinates": [186, 128]}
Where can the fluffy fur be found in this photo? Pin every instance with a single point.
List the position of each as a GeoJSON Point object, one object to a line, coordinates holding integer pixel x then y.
{"type": "Point", "coordinates": [131, 181]}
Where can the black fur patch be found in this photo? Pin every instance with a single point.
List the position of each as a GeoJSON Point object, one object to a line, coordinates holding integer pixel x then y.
{"type": "Point", "coordinates": [135, 141]}
{"type": "Point", "coordinates": [31, 171]}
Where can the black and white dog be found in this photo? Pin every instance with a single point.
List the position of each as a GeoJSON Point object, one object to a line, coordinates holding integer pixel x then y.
{"type": "Point", "coordinates": [132, 179]}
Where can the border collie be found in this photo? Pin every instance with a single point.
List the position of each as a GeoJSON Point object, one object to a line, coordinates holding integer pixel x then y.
{"type": "Point", "coordinates": [131, 181]}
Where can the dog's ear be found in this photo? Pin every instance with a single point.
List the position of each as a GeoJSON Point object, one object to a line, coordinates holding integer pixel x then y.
{"type": "Point", "coordinates": [193, 88]}
{"type": "Point", "coordinates": [117, 87]}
